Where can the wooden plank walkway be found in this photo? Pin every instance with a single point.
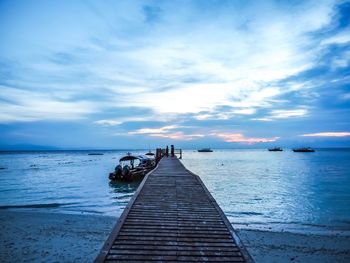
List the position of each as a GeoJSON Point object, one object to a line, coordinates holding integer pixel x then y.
{"type": "Point", "coordinates": [173, 218]}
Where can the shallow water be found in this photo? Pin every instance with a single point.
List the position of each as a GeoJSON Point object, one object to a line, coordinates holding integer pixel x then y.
{"type": "Point", "coordinates": [278, 190]}
{"type": "Point", "coordinates": [255, 188]}
{"type": "Point", "coordinates": [65, 181]}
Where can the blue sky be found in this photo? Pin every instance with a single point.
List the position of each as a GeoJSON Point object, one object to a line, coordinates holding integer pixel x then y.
{"type": "Point", "coordinates": [124, 74]}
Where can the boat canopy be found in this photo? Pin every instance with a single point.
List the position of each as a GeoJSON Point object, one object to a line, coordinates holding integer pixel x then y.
{"type": "Point", "coordinates": [129, 158]}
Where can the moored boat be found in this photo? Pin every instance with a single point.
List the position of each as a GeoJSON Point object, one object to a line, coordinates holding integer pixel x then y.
{"type": "Point", "coordinates": [304, 150]}
{"type": "Point", "coordinates": [132, 167]}
{"type": "Point", "coordinates": [276, 149]}
{"type": "Point", "coordinates": [150, 154]}
{"type": "Point", "coordinates": [205, 150]}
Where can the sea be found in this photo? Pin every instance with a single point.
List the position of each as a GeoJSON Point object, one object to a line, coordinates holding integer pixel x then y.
{"type": "Point", "coordinates": [257, 189]}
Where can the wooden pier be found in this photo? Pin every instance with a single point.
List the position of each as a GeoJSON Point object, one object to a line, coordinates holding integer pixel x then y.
{"type": "Point", "coordinates": [172, 217]}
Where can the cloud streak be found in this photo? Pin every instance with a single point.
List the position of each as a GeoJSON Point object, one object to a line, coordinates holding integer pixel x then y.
{"type": "Point", "coordinates": [327, 134]}
{"type": "Point", "coordinates": [151, 131]}
{"type": "Point", "coordinates": [240, 138]}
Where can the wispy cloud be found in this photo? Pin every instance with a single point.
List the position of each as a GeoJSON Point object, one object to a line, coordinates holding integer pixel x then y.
{"type": "Point", "coordinates": [161, 130]}
{"type": "Point", "coordinates": [108, 122]}
{"type": "Point", "coordinates": [178, 136]}
{"type": "Point", "coordinates": [338, 39]}
{"type": "Point", "coordinates": [168, 132]}
{"type": "Point", "coordinates": [327, 134]}
{"type": "Point", "coordinates": [16, 102]}
{"type": "Point", "coordinates": [284, 114]}
{"type": "Point", "coordinates": [240, 138]}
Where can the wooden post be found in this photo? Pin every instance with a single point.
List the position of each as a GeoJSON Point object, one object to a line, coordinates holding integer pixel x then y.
{"type": "Point", "coordinates": [180, 154]}
{"type": "Point", "coordinates": [158, 154]}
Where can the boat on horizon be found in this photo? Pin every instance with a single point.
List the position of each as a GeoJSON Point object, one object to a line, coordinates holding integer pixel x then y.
{"type": "Point", "coordinates": [304, 150]}
{"type": "Point", "coordinates": [205, 150]}
{"type": "Point", "coordinates": [133, 167]}
{"type": "Point", "coordinates": [275, 149]}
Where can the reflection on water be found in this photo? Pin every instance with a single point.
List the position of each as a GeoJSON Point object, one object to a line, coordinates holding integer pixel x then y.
{"type": "Point", "coordinates": [122, 191]}
{"type": "Point", "coordinates": [123, 187]}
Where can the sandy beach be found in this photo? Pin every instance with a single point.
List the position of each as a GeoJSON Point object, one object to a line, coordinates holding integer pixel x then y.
{"type": "Point", "coordinates": [49, 237]}
{"type": "Point", "coordinates": [267, 246]}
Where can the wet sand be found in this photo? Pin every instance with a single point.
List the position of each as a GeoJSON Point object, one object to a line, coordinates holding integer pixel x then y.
{"type": "Point", "coordinates": [267, 246]}
{"type": "Point", "coordinates": [49, 237]}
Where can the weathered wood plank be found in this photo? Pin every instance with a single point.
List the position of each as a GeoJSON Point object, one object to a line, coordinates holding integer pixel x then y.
{"type": "Point", "coordinates": [171, 247]}
{"type": "Point", "coordinates": [210, 259]}
{"type": "Point", "coordinates": [141, 257]}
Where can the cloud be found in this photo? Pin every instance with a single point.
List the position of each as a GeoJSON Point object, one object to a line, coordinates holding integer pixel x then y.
{"type": "Point", "coordinates": [167, 132]}
{"type": "Point", "coordinates": [284, 114]}
{"type": "Point", "coordinates": [127, 119]}
{"type": "Point", "coordinates": [219, 114]}
{"type": "Point", "coordinates": [341, 61]}
{"type": "Point", "coordinates": [236, 72]}
{"type": "Point", "coordinates": [240, 138]}
{"type": "Point", "coordinates": [16, 103]}
{"type": "Point", "coordinates": [338, 39]}
{"type": "Point", "coordinates": [108, 122]}
{"type": "Point", "coordinates": [158, 131]}
{"type": "Point", "coordinates": [345, 96]}
{"type": "Point", "coordinates": [178, 136]}
{"type": "Point", "coordinates": [327, 134]}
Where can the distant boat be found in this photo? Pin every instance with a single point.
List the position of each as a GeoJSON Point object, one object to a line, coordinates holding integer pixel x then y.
{"type": "Point", "coordinates": [205, 150]}
{"type": "Point", "coordinates": [304, 150]}
{"type": "Point", "coordinates": [276, 149]}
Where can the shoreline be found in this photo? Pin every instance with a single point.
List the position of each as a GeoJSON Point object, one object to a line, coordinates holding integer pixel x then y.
{"type": "Point", "coordinates": [32, 236]}
{"type": "Point", "coordinates": [298, 229]}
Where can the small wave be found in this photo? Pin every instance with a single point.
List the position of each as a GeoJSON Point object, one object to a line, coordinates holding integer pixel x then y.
{"type": "Point", "coordinates": [344, 221]}
{"type": "Point", "coordinates": [50, 205]}
{"type": "Point", "coordinates": [91, 212]}
{"type": "Point", "coordinates": [245, 213]}
{"type": "Point", "coordinates": [63, 163]}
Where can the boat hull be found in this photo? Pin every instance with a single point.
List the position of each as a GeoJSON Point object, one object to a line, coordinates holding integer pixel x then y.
{"type": "Point", "coordinates": [132, 176]}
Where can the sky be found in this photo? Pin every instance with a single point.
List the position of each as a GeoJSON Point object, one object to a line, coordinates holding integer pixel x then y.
{"type": "Point", "coordinates": [140, 74]}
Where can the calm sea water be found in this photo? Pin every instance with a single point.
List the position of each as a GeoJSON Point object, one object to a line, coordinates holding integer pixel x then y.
{"type": "Point", "coordinates": [255, 188]}
{"type": "Point", "coordinates": [278, 190]}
